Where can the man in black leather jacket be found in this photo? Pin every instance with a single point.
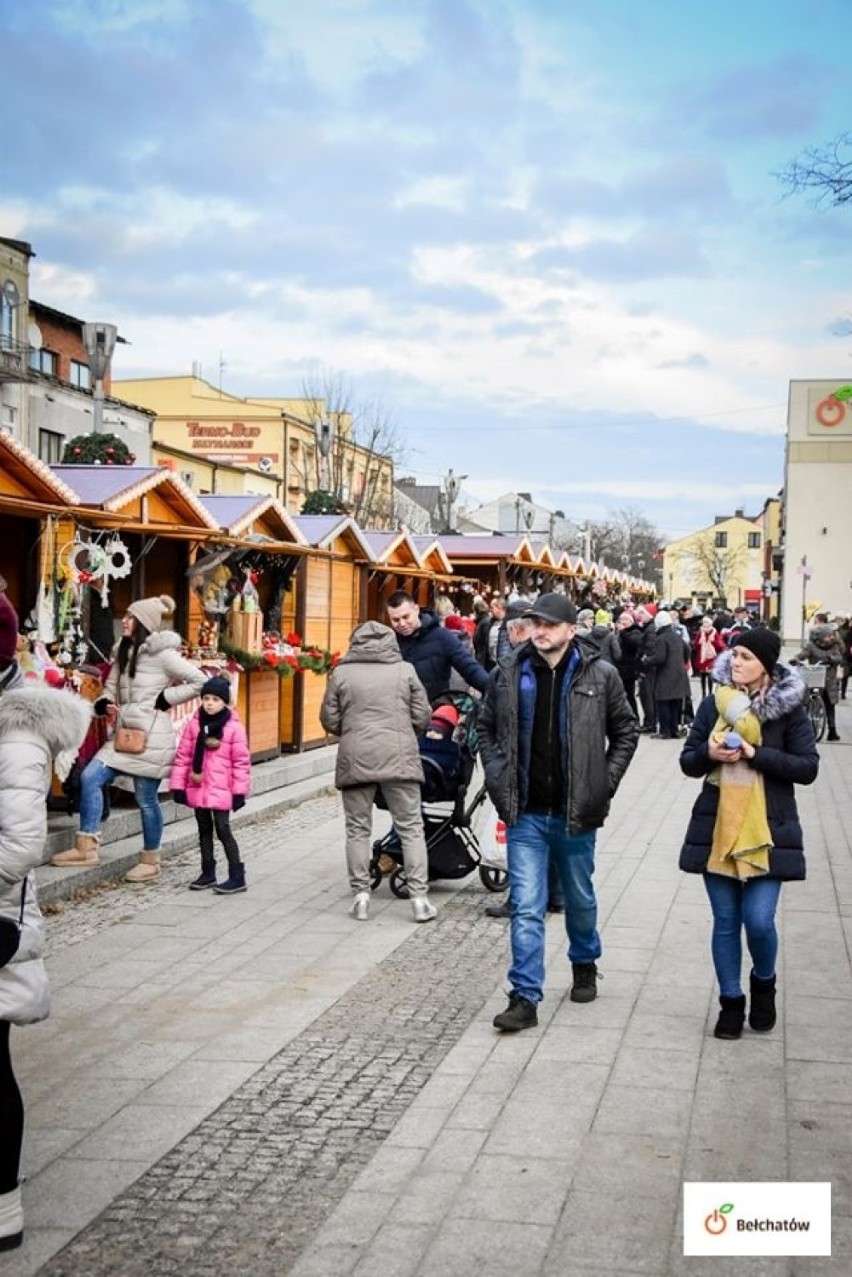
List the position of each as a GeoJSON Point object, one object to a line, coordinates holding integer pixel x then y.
{"type": "Point", "coordinates": [556, 736]}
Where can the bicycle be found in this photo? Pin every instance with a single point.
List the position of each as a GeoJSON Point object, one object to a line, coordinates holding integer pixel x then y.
{"type": "Point", "coordinates": [814, 677]}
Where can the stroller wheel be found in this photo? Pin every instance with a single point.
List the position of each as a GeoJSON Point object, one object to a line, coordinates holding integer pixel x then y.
{"type": "Point", "coordinates": [493, 879]}
{"type": "Point", "coordinates": [398, 883]}
{"type": "Point", "coordinates": [375, 874]}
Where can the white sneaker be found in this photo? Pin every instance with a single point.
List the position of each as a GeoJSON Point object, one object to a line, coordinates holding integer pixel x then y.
{"type": "Point", "coordinates": [360, 909]}
{"type": "Point", "coordinates": [421, 910]}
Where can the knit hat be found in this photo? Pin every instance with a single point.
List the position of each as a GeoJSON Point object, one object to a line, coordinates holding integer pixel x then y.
{"type": "Point", "coordinates": [218, 686]}
{"type": "Point", "coordinates": [8, 631]}
{"type": "Point", "coordinates": [585, 614]}
{"type": "Point", "coordinates": [602, 617]}
{"type": "Point", "coordinates": [764, 643]}
{"type": "Point", "coordinates": [152, 612]}
{"type": "Point", "coordinates": [446, 714]}
{"type": "Point", "coordinates": [662, 619]}
{"type": "Point", "coordinates": [453, 621]}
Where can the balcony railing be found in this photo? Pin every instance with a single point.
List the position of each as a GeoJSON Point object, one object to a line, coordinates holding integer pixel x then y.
{"type": "Point", "coordinates": [14, 360]}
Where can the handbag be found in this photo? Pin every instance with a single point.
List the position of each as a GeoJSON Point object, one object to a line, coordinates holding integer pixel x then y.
{"type": "Point", "coordinates": [10, 932]}
{"type": "Point", "coordinates": [129, 740]}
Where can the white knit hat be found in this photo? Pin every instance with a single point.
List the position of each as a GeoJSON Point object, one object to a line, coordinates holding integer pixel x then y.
{"type": "Point", "coordinates": [152, 612]}
{"type": "Point", "coordinates": [662, 619]}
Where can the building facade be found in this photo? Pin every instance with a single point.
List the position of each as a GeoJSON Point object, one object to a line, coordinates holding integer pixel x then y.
{"type": "Point", "coordinates": [817, 556]}
{"type": "Point", "coordinates": [720, 565]}
{"type": "Point", "coordinates": [268, 436]}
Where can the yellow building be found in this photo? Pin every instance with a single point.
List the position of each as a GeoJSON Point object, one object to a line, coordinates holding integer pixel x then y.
{"type": "Point", "coordinates": [275, 438]}
{"type": "Point", "coordinates": [722, 565]}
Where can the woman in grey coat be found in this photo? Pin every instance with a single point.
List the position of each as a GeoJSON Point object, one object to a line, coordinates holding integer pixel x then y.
{"type": "Point", "coordinates": [667, 656]}
{"type": "Point", "coordinates": [376, 704]}
{"type": "Point", "coordinates": [40, 730]}
{"type": "Point", "coordinates": [148, 676]}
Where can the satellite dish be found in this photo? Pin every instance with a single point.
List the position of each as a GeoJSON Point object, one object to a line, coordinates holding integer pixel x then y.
{"type": "Point", "coordinates": [11, 296]}
{"type": "Point", "coordinates": [34, 336]}
{"type": "Point", "coordinates": [265, 464]}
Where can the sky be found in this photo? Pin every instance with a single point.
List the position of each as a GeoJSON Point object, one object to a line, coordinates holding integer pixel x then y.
{"type": "Point", "coordinates": [547, 237]}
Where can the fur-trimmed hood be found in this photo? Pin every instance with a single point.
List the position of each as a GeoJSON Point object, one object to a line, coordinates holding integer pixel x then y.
{"type": "Point", "coordinates": [61, 719]}
{"type": "Point", "coordinates": [161, 641]}
{"type": "Point", "coordinates": [786, 691]}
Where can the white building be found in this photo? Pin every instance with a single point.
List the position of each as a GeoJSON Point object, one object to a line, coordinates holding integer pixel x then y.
{"type": "Point", "coordinates": [817, 505]}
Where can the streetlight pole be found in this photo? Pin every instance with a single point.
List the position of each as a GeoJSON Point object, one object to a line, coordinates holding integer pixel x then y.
{"type": "Point", "coordinates": [324, 431]}
{"type": "Point", "coordinates": [99, 341]}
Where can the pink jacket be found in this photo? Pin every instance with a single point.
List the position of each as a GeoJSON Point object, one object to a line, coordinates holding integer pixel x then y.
{"type": "Point", "coordinates": [226, 770]}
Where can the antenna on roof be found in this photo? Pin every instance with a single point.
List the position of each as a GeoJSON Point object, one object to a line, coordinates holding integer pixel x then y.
{"type": "Point", "coordinates": [222, 367]}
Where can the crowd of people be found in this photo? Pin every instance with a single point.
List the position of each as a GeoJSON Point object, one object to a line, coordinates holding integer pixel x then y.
{"type": "Point", "coordinates": [562, 696]}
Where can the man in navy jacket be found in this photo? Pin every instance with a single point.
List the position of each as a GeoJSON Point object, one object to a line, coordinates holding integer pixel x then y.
{"type": "Point", "coordinates": [432, 650]}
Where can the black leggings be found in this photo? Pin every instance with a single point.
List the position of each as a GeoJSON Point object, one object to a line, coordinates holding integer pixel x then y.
{"type": "Point", "coordinates": [11, 1116]}
{"type": "Point", "coordinates": [221, 820]}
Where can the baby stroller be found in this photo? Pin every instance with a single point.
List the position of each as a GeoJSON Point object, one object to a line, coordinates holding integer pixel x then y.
{"type": "Point", "coordinates": [448, 752]}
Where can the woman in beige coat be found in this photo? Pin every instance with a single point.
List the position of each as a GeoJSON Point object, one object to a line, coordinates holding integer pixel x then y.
{"type": "Point", "coordinates": [376, 704]}
{"type": "Point", "coordinates": [148, 676]}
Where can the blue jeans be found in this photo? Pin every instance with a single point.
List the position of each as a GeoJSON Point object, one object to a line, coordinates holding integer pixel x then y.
{"type": "Point", "coordinates": [95, 776]}
{"type": "Point", "coordinates": [531, 844]}
{"type": "Point", "coordinates": [737, 905]}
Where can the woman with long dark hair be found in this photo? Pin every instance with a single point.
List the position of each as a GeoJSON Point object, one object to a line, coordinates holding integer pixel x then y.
{"type": "Point", "coordinates": [148, 676]}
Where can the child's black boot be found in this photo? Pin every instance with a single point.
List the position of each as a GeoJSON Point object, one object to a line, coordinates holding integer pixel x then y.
{"type": "Point", "coordinates": [236, 880]}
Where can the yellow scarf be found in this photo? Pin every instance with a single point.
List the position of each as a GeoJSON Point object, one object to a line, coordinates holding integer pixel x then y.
{"type": "Point", "coordinates": [742, 839]}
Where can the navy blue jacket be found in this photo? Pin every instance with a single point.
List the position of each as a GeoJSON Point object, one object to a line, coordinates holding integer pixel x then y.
{"type": "Point", "coordinates": [435, 652]}
{"type": "Point", "coordinates": [787, 757]}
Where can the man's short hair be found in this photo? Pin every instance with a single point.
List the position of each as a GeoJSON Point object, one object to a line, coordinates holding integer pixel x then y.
{"type": "Point", "coordinates": [398, 598]}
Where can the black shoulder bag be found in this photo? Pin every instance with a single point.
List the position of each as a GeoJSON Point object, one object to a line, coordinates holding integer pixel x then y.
{"type": "Point", "coordinates": [10, 931]}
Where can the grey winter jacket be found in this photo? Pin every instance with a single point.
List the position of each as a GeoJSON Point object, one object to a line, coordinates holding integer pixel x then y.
{"type": "Point", "coordinates": [39, 728]}
{"type": "Point", "coordinates": [602, 738]}
{"type": "Point", "coordinates": [159, 664]}
{"type": "Point", "coordinates": [376, 704]}
{"type": "Point", "coordinates": [829, 654]}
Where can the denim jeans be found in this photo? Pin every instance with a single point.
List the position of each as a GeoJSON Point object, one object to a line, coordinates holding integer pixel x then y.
{"type": "Point", "coordinates": [95, 776]}
{"type": "Point", "coordinates": [737, 905]}
{"type": "Point", "coordinates": [531, 843]}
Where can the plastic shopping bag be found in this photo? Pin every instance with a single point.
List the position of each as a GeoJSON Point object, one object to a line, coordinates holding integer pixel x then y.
{"type": "Point", "coordinates": [492, 838]}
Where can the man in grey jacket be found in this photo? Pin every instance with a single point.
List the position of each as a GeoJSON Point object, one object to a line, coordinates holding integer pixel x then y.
{"type": "Point", "coordinates": [376, 704]}
{"type": "Point", "coordinates": [556, 737]}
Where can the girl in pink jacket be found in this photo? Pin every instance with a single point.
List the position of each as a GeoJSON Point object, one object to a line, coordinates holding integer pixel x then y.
{"type": "Point", "coordinates": [212, 774]}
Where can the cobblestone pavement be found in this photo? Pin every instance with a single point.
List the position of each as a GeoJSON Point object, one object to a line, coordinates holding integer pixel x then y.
{"type": "Point", "coordinates": [93, 910]}
{"type": "Point", "coordinates": [249, 1187]}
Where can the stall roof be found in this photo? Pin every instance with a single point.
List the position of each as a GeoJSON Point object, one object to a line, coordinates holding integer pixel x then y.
{"type": "Point", "coordinates": [385, 544]}
{"type": "Point", "coordinates": [429, 547]}
{"type": "Point", "coordinates": [111, 488]}
{"type": "Point", "coordinates": [321, 529]}
{"type": "Point", "coordinates": [236, 513]}
{"type": "Point", "coordinates": [27, 478]}
{"type": "Point", "coordinates": [463, 548]}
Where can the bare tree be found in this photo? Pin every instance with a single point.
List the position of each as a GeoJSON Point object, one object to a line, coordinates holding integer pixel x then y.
{"type": "Point", "coordinates": [365, 438]}
{"type": "Point", "coordinates": [826, 170]}
{"type": "Point", "coordinates": [627, 539]}
{"type": "Point", "coordinates": [716, 566]}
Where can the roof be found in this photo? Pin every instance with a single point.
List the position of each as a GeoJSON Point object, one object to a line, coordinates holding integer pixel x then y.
{"type": "Point", "coordinates": [321, 529]}
{"type": "Point", "coordinates": [60, 315]}
{"type": "Point", "coordinates": [487, 547]}
{"type": "Point", "coordinates": [111, 487]}
{"type": "Point", "coordinates": [237, 511]}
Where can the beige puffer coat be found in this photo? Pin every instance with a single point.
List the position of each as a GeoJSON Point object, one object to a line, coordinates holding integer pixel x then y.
{"type": "Point", "coordinates": [39, 728]}
{"type": "Point", "coordinates": [159, 664]}
{"type": "Point", "coordinates": [376, 704]}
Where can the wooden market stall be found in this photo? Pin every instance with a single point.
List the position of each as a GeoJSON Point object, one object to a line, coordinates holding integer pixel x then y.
{"type": "Point", "coordinates": [331, 600]}
{"type": "Point", "coordinates": [266, 544]}
{"type": "Point", "coordinates": [398, 565]}
{"type": "Point", "coordinates": [486, 565]}
{"type": "Point", "coordinates": [32, 498]}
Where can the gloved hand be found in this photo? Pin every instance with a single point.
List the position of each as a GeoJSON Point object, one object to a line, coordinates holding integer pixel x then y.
{"type": "Point", "coordinates": [161, 702]}
{"type": "Point", "coordinates": [179, 795]}
{"type": "Point", "coordinates": [238, 802]}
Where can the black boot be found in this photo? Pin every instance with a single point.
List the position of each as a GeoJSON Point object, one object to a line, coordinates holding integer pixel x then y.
{"type": "Point", "coordinates": [236, 880]}
{"type": "Point", "coordinates": [207, 877]}
{"type": "Point", "coordinates": [731, 1018]}
{"type": "Point", "coordinates": [761, 1011]}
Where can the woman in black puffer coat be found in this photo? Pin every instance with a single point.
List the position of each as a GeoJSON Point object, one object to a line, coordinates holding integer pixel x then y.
{"type": "Point", "coordinates": [786, 756]}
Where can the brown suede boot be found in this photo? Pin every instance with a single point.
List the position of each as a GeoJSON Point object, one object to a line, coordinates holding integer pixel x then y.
{"type": "Point", "coordinates": [147, 870]}
{"type": "Point", "coordinates": [84, 852]}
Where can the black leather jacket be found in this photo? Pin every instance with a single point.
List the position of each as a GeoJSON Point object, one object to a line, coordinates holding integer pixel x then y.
{"type": "Point", "coordinates": [602, 738]}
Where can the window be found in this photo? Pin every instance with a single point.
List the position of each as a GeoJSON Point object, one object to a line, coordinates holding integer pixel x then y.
{"type": "Point", "coordinates": [754, 540]}
{"type": "Point", "coordinates": [79, 375]}
{"type": "Point", "coordinates": [50, 445]}
{"type": "Point", "coordinates": [43, 361]}
{"type": "Point", "coordinates": [721, 541]}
